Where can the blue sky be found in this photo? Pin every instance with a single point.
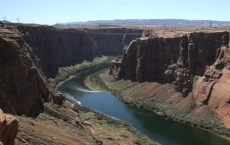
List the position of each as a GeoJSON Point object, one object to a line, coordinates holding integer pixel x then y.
{"type": "Point", "coordinates": [52, 11]}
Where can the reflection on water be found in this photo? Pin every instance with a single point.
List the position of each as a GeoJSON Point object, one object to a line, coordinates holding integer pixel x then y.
{"type": "Point", "coordinates": [166, 132]}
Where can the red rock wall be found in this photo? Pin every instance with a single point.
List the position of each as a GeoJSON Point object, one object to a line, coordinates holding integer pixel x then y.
{"type": "Point", "coordinates": [26, 51]}
{"type": "Point", "coordinates": [23, 86]}
{"type": "Point", "coordinates": [213, 88]}
{"type": "Point", "coordinates": [148, 59]}
{"type": "Point", "coordinates": [58, 47]}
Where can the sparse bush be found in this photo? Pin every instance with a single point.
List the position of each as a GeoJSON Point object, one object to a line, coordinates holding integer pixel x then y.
{"type": "Point", "coordinates": [65, 72]}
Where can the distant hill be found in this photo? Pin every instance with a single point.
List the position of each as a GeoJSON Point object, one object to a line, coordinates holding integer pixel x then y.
{"type": "Point", "coordinates": [4, 21]}
{"type": "Point", "coordinates": [157, 22]}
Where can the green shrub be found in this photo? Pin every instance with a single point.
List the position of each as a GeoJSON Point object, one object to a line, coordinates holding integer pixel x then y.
{"type": "Point", "coordinates": [65, 72]}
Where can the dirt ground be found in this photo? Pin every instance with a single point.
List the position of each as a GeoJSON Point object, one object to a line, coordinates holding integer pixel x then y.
{"type": "Point", "coordinates": [68, 125]}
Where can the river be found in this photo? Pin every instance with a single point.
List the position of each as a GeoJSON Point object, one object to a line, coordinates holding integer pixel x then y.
{"type": "Point", "coordinates": [157, 128]}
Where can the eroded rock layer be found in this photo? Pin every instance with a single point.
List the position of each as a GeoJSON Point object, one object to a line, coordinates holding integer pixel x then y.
{"type": "Point", "coordinates": [113, 41]}
{"type": "Point", "coordinates": [58, 47]}
{"type": "Point", "coordinates": [213, 88]}
{"type": "Point", "coordinates": [196, 65]}
{"type": "Point", "coordinates": [23, 86]}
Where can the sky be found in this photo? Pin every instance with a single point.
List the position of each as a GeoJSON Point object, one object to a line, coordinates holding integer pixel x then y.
{"type": "Point", "coordinates": [62, 11]}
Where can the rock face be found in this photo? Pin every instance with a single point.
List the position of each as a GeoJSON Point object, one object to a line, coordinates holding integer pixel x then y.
{"type": "Point", "coordinates": [196, 64]}
{"type": "Point", "coordinates": [58, 47]}
{"type": "Point", "coordinates": [23, 87]}
{"type": "Point", "coordinates": [213, 88]}
{"type": "Point", "coordinates": [8, 128]}
{"type": "Point", "coordinates": [156, 59]}
{"type": "Point", "coordinates": [112, 41]}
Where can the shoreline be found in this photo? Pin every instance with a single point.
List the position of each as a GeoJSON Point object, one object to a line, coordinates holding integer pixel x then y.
{"type": "Point", "coordinates": [111, 122]}
{"type": "Point", "coordinates": [117, 94]}
{"type": "Point", "coordinates": [65, 72]}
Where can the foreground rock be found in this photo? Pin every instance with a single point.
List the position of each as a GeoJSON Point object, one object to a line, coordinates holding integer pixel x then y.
{"type": "Point", "coordinates": [187, 73]}
{"type": "Point", "coordinates": [23, 88]}
{"type": "Point", "coordinates": [8, 128]}
{"type": "Point", "coordinates": [58, 98]}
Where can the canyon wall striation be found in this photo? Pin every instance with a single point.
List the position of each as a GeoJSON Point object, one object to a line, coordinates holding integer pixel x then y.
{"type": "Point", "coordinates": [30, 54]}
{"type": "Point", "coordinates": [58, 47]}
{"type": "Point", "coordinates": [189, 72]}
{"type": "Point", "coordinates": [23, 87]}
{"type": "Point", "coordinates": [113, 41]}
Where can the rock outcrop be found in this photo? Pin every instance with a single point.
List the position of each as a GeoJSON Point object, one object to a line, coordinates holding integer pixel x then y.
{"type": "Point", "coordinates": [197, 65]}
{"type": "Point", "coordinates": [113, 41]}
{"type": "Point", "coordinates": [153, 59]}
{"type": "Point", "coordinates": [58, 47]}
{"type": "Point", "coordinates": [213, 88]}
{"type": "Point", "coordinates": [8, 128]}
{"type": "Point", "coordinates": [58, 98]}
{"type": "Point", "coordinates": [23, 88]}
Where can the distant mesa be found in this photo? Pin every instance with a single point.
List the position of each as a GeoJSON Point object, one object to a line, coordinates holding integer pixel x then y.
{"type": "Point", "coordinates": [5, 22]}
{"type": "Point", "coordinates": [155, 22]}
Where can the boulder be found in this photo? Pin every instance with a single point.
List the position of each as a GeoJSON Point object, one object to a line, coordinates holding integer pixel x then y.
{"type": "Point", "coordinates": [58, 98]}
{"type": "Point", "coordinates": [72, 107]}
{"type": "Point", "coordinates": [8, 128]}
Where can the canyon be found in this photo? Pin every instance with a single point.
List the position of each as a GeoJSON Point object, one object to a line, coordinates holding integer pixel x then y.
{"type": "Point", "coordinates": [186, 72]}
{"type": "Point", "coordinates": [30, 54]}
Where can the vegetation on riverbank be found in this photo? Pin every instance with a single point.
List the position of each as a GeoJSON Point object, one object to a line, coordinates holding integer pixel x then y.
{"type": "Point", "coordinates": [76, 125]}
{"type": "Point", "coordinates": [134, 93]}
{"type": "Point", "coordinates": [121, 131]}
{"type": "Point", "coordinates": [65, 72]}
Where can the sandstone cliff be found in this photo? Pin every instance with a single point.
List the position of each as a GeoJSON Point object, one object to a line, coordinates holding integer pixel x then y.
{"type": "Point", "coordinates": [58, 47]}
{"type": "Point", "coordinates": [148, 58]}
{"type": "Point", "coordinates": [213, 88]}
{"type": "Point", "coordinates": [23, 86]}
{"type": "Point", "coordinates": [112, 41]}
{"type": "Point", "coordinates": [183, 69]}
